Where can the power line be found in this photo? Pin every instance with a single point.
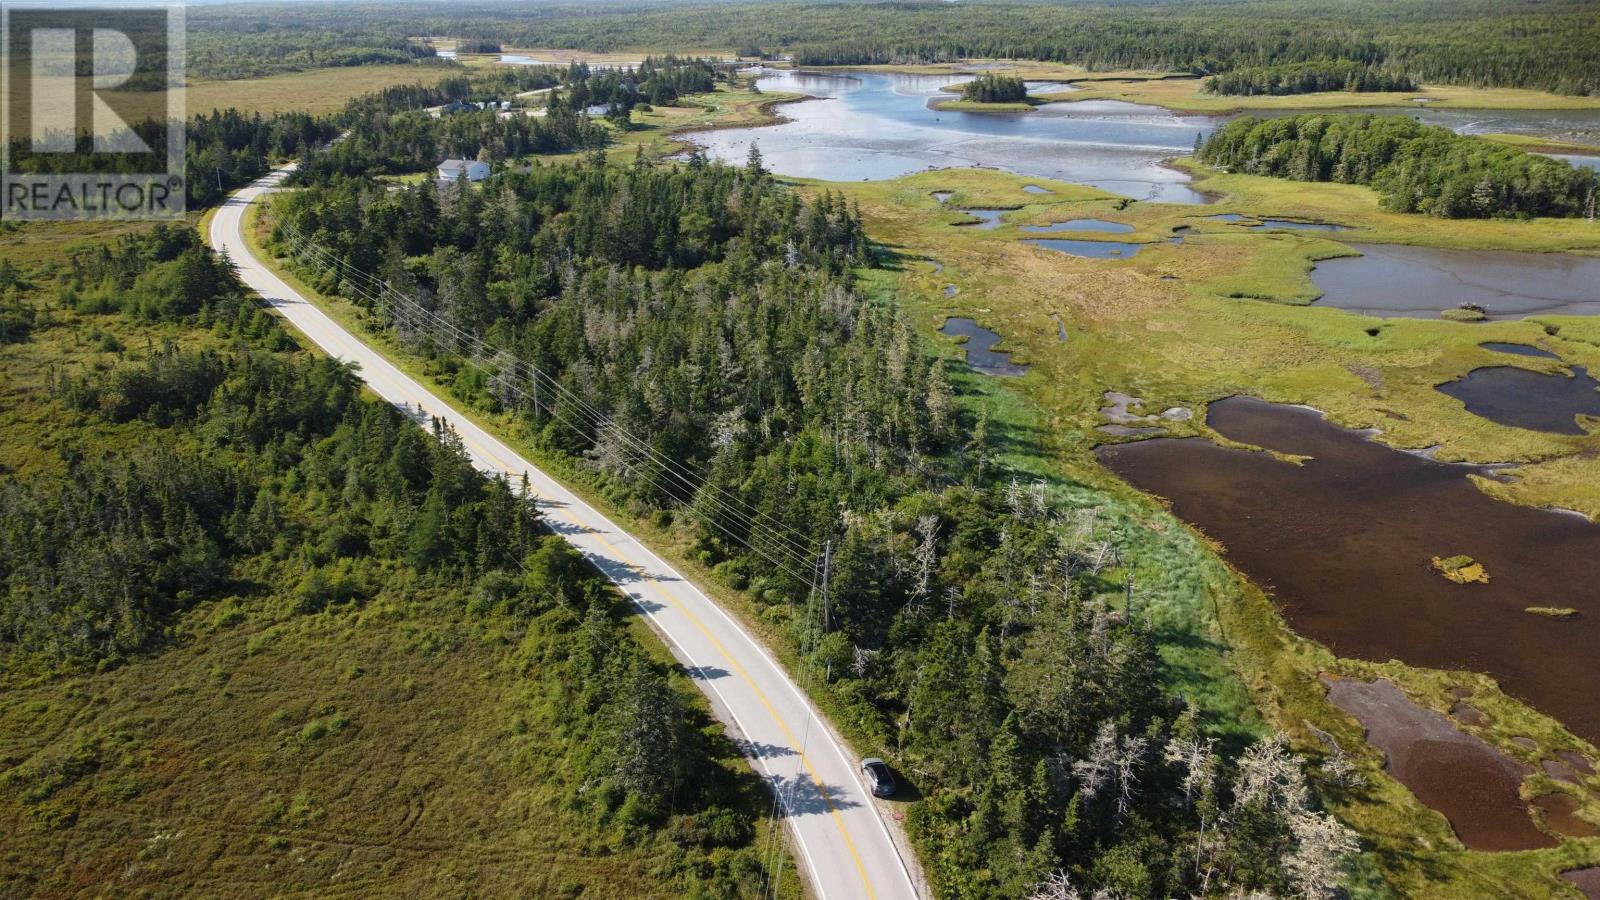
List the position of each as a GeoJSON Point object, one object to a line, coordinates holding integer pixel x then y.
{"type": "Point", "coordinates": [379, 290]}
{"type": "Point", "coordinates": [774, 544]}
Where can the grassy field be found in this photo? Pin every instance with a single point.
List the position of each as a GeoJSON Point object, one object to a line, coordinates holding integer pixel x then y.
{"type": "Point", "coordinates": [1539, 145]}
{"type": "Point", "coordinates": [1168, 325]}
{"type": "Point", "coordinates": [318, 91]}
{"type": "Point", "coordinates": [407, 745]}
{"type": "Point", "coordinates": [959, 105]}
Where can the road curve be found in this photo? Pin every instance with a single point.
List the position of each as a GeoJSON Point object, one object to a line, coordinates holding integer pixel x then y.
{"type": "Point", "coordinates": [844, 841]}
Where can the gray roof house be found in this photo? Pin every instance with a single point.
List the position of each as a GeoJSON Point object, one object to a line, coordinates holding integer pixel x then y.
{"type": "Point", "coordinates": [455, 169]}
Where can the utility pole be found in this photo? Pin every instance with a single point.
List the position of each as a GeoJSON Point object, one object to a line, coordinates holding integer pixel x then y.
{"type": "Point", "coordinates": [827, 560]}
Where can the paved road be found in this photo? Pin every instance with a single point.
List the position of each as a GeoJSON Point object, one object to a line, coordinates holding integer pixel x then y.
{"type": "Point", "coordinates": [844, 842]}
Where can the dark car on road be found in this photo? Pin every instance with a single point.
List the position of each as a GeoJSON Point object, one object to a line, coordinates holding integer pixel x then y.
{"type": "Point", "coordinates": [878, 777]}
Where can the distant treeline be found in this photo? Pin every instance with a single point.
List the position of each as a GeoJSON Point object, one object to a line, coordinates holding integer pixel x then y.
{"type": "Point", "coordinates": [267, 45]}
{"type": "Point", "coordinates": [224, 149]}
{"type": "Point", "coordinates": [1309, 78]}
{"type": "Point", "coordinates": [1417, 168]}
{"type": "Point", "coordinates": [1551, 45]}
{"type": "Point", "coordinates": [995, 89]}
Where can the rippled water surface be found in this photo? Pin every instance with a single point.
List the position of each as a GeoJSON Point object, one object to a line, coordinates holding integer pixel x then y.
{"type": "Point", "coordinates": [1392, 280]}
{"type": "Point", "coordinates": [873, 126]}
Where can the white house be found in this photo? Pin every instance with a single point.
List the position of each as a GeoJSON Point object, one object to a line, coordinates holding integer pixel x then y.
{"type": "Point", "coordinates": [455, 169]}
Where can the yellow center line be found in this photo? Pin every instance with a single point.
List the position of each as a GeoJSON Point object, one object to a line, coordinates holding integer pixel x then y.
{"type": "Point", "coordinates": [805, 759]}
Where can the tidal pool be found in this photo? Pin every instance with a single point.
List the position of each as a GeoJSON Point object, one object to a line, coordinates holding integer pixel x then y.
{"type": "Point", "coordinates": [980, 356]}
{"type": "Point", "coordinates": [1091, 249]}
{"type": "Point", "coordinates": [870, 126]}
{"type": "Point", "coordinates": [1397, 281]}
{"type": "Point", "coordinates": [1465, 779]}
{"type": "Point", "coordinates": [1288, 225]}
{"type": "Point", "coordinates": [1518, 349]}
{"type": "Point", "coordinates": [1100, 225]}
{"type": "Point", "coordinates": [1523, 398]}
{"type": "Point", "coordinates": [1344, 541]}
{"type": "Point", "coordinates": [988, 219]}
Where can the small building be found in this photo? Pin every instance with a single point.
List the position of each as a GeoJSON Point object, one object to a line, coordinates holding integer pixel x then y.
{"type": "Point", "coordinates": [456, 169]}
{"type": "Point", "coordinates": [456, 106]}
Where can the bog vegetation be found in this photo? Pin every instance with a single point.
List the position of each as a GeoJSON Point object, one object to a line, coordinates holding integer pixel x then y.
{"type": "Point", "coordinates": [216, 477]}
{"type": "Point", "coordinates": [1414, 167]}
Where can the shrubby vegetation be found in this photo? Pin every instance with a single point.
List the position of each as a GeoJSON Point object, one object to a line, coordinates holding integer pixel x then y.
{"type": "Point", "coordinates": [98, 561]}
{"type": "Point", "coordinates": [707, 358]}
{"type": "Point", "coordinates": [235, 478]}
{"type": "Point", "coordinates": [995, 89]}
{"type": "Point", "coordinates": [1309, 78]}
{"type": "Point", "coordinates": [1415, 167]}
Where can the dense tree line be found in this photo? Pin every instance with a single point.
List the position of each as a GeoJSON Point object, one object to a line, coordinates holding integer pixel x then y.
{"type": "Point", "coordinates": [1524, 43]}
{"type": "Point", "coordinates": [658, 81]}
{"type": "Point", "coordinates": [411, 141]}
{"type": "Point", "coordinates": [995, 89]}
{"type": "Point", "coordinates": [228, 148]}
{"type": "Point", "coordinates": [391, 133]}
{"type": "Point", "coordinates": [223, 150]}
{"type": "Point", "coordinates": [1415, 167]}
{"type": "Point", "coordinates": [1309, 78]}
{"type": "Point", "coordinates": [707, 358]}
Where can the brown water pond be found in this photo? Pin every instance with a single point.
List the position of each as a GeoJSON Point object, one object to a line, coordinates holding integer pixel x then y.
{"type": "Point", "coordinates": [1523, 398]}
{"type": "Point", "coordinates": [1560, 813]}
{"type": "Point", "coordinates": [1587, 881]}
{"type": "Point", "coordinates": [1344, 544]}
{"type": "Point", "coordinates": [1466, 780]}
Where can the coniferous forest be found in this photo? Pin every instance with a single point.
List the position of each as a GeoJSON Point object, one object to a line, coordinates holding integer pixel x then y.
{"type": "Point", "coordinates": [1551, 46]}
{"type": "Point", "coordinates": [1415, 167]}
{"type": "Point", "coordinates": [995, 89]}
{"type": "Point", "coordinates": [713, 315]}
{"type": "Point", "coordinates": [1309, 77]}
